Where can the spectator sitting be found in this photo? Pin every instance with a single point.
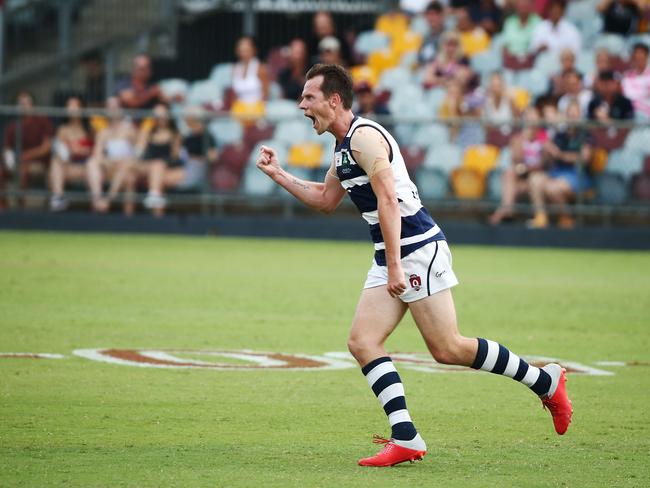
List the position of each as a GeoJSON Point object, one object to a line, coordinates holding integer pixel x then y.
{"type": "Point", "coordinates": [73, 146]}
{"type": "Point", "coordinates": [499, 106]}
{"type": "Point", "coordinates": [574, 92]}
{"type": "Point", "coordinates": [636, 81]}
{"type": "Point", "coordinates": [34, 147]}
{"type": "Point", "coordinates": [608, 102]}
{"type": "Point", "coordinates": [449, 64]}
{"type": "Point", "coordinates": [188, 173]}
{"type": "Point", "coordinates": [292, 78]}
{"type": "Point", "coordinates": [138, 92]}
{"type": "Point", "coordinates": [620, 16]}
{"type": "Point", "coordinates": [556, 33]}
{"type": "Point", "coordinates": [323, 26]}
{"type": "Point", "coordinates": [569, 152]}
{"type": "Point", "coordinates": [487, 14]}
{"type": "Point", "coordinates": [249, 76]}
{"type": "Point", "coordinates": [330, 51]}
{"type": "Point", "coordinates": [557, 86]}
{"type": "Point", "coordinates": [113, 156]}
{"type": "Point", "coordinates": [473, 38]}
{"type": "Point", "coordinates": [434, 15]}
{"type": "Point", "coordinates": [518, 29]}
{"type": "Point", "coordinates": [603, 63]}
{"type": "Point", "coordinates": [526, 150]}
{"type": "Point", "coordinates": [366, 104]}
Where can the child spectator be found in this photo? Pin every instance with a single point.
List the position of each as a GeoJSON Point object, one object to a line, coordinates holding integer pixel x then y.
{"type": "Point", "coordinates": [72, 148]}
{"type": "Point", "coordinates": [112, 157]}
{"type": "Point", "coordinates": [35, 144]}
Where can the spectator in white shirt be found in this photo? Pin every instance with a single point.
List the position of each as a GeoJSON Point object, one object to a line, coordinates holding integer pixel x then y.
{"type": "Point", "coordinates": [575, 92]}
{"type": "Point", "coordinates": [636, 81]}
{"type": "Point", "coordinates": [556, 33]}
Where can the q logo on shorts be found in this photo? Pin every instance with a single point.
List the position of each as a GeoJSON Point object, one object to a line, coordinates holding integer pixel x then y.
{"type": "Point", "coordinates": [415, 281]}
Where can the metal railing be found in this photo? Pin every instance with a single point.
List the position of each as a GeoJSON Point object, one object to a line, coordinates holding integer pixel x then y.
{"type": "Point", "coordinates": [207, 200]}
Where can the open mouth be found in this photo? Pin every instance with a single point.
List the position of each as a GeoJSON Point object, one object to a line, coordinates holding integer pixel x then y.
{"type": "Point", "coordinates": [313, 120]}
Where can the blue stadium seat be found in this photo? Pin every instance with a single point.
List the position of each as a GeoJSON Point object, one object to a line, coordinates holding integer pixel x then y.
{"type": "Point", "coordinates": [293, 131]}
{"type": "Point", "coordinates": [611, 189]}
{"type": "Point", "coordinates": [370, 41]}
{"type": "Point", "coordinates": [614, 43]}
{"type": "Point", "coordinates": [586, 61]}
{"type": "Point", "coordinates": [433, 184]}
{"type": "Point", "coordinates": [445, 157]}
{"type": "Point", "coordinates": [407, 99]}
{"type": "Point", "coordinates": [486, 62]}
{"type": "Point", "coordinates": [174, 86]}
{"type": "Point", "coordinates": [547, 63]}
{"type": "Point", "coordinates": [434, 98]}
{"type": "Point", "coordinates": [534, 81]}
{"type": "Point", "coordinates": [222, 74]}
{"type": "Point", "coordinates": [505, 158]}
{"type": "Point", "coordinates": [494, 184]}
{"type": "Point", "coordinates": [395, 78]}
{"type": "Point", "coordinates": [430, 135]}
{"type": "Point", "coordinates": [204, 92]}
{"type": "Point", "coordinates": [280, 148]}
{"type": "Point", "coordinates": [625, 162]}
{"type": "Point", "coordinates": [638, 140]}
{"type": "Point", "coordinates": [257, 183]}
{"type": "Point", "coordinates": [226, 130]}
{"type": "Point", "coordinates": [278, 110]}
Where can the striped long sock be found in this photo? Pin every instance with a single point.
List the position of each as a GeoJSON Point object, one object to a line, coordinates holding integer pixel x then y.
{"type": "Point", "coordinates": [387, 386]}
{"type": "Point", "coordinates": [495, 358]}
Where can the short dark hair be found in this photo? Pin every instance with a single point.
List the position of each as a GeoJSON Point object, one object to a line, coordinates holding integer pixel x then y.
{"type": "Point", "coordinates": [434, 7]}
{"type": "Point", "coordinates": [335, 80]}
{"type": "Point", "coordinates": [643, 47]}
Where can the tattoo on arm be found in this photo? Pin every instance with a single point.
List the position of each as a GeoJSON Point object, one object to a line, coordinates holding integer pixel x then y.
{"type": "Point", "coordinates": [301, 184]}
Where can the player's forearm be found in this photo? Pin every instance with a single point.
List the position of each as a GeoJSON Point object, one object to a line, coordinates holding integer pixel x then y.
{"type": "Point", "coordinates": [308, 192]}
{"type": "Point", "coordinates": [391, 227]}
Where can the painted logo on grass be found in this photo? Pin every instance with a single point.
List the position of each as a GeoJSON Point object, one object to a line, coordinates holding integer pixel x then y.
{"type": "Point", "coordinates": [224, 360]}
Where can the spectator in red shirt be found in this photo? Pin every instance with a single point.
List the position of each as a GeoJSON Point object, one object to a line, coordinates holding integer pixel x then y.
{"type": "Point", "coordinates": [34, 147]}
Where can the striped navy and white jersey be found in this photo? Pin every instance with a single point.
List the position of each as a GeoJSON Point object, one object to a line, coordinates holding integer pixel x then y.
{"type": "Point", "coordinates": [418, 227]}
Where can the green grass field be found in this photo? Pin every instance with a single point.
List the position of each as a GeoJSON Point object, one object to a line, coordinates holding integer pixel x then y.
{"type": "Point", "coordinates": [77, 422]}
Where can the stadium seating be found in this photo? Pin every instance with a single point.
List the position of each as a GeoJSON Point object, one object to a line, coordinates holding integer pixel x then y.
{"type": "Point", "coordinates": [611, 189]}
{"type": "Point", "coordinates": [370, 41]}
{"type": "Point", "coordinates": [445, 158]}
{"type": "Point", "coordinates": [204, 92]}
{"type": "Point", "coordinates": [615, 44]}
{"type": "Point", "coordinates": [221, 74]}
{"type": "Point", "coordinates": [467, 183]}
{"type": "Point", "coordinates": [413, 158]}
{"type": "Point", "coordinates": [277, 110]}
{"type": "Point", "coordinates": [247, 112]}
{"type": "Point", "coordinates": [432, 183]}
{"type": "Point", "coordinates": [481, 158]}
{"type": "Point", "coordinates": [430, 135]}
{"type": "Point", "coordinates": [625, 162]}
{"type": "Point", "coordinates": [505, 158]}
{"type": "Point", "coordinates": [493, 184]}
{"type": "Point", "coordinates": [305, 154]}
{"type": "Point", "coordinates": [257, 132]}
{"type": "Point", "coordinates": [641, 187]}
{"type": "Point", "coordinates": [174, 87]}
{"type": "Point", "coordinates": [638, 140]}
{"type": "Point", "coordinates": [226, 130]}
{"type": "Point", "coordinates": [292, 130]}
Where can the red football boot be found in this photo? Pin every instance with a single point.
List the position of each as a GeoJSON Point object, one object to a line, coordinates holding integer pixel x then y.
{"type": "Point", "coordinates": [557, 401]}
{"type": "Point", "coordinates": [391, 454]}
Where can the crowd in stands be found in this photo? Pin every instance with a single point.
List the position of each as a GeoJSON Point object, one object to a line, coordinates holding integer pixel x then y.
{"type": "Point", "coordinates": [487, 98]}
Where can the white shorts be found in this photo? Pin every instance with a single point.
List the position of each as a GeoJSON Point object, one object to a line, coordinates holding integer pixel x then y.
{"type": "Point", "coordinates": [427, 271]}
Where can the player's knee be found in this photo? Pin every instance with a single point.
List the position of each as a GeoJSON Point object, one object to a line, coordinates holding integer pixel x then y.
{"type": "Point", "coordinates": [449, 352]}
{"type": "Point", "coordinates": [359, 346]}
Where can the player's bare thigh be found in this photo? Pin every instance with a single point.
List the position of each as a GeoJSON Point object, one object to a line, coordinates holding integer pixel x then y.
{"type": "Point", "coordinates": [435, 316]}
{"type": "Point", "coordinates": [376, 317]}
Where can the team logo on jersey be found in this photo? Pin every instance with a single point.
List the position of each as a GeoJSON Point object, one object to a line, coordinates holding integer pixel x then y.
{"type": "Point", "coordinates": [345, 163]}
{"type": "Point", "coordinates": [415, 281]}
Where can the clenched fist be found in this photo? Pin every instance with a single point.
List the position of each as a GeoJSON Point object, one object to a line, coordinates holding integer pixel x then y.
{"type": "Point", "coordinates": [268, 162]}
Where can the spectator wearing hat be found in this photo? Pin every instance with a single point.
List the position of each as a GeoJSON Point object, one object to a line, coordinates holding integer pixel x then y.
{"type": "Point", "coordinates": [367, 105]}
{"type": "Point", "coordinates": [608, 102]}
{"type": "Point", "coordinates": [329, 49]}
{"type": "Point", "coordinates": [323, 26]}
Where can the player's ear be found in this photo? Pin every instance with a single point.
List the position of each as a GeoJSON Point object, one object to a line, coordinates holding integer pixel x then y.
{"type": "Point", "coordinates": [335, 100]}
